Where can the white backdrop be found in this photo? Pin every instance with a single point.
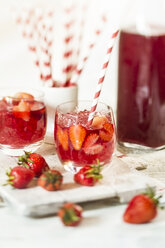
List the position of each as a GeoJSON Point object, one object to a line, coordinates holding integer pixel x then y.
{"type": "Point", "coordinates": [17, 68]}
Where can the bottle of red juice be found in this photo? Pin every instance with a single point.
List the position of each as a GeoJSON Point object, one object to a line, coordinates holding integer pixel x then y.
{"type": "Point", "coordinates": [141, 87]}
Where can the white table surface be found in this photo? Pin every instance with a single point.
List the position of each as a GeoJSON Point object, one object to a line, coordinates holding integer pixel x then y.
{"type": "Point", "coordinates": [102, 225]}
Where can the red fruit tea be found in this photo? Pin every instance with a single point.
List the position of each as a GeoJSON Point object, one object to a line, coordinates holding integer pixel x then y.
{"type": "Point", "coordinates": [22, 122]}
{"type": "Point", "coordinates": [141, 89]}
{"type": "Point", "coordinates": [80, 144]}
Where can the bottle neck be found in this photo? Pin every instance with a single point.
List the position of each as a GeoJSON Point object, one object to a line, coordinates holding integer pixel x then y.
{"type": "Point", "coordinates": [145, 17]}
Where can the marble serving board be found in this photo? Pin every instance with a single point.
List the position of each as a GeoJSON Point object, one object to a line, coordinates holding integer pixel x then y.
{"type": "Point", "coordinates": [119, 182]}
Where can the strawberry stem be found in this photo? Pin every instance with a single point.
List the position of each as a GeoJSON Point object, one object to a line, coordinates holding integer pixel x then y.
{"type": "Point", "coordinates": [70, 216]}
{"type": "Point", "coordinates": [10, 178]}
{"type": "Point", "coordinates": [150, 192]}
{"type": "Point", "coordinates": [22, 160]}
{"type": "Point", "coordinates": [95, 171]}
{"type": "Point", "coordinates": [51, 178]}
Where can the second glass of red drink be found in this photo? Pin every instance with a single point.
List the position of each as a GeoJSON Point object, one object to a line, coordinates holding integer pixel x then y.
{"type": "Point", "coordinates": [22, 120]}
{"type": "Point", "coordinates": [79, 144]}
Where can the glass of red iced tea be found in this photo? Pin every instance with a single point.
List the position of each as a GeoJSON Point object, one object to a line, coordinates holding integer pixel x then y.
{"type": "Point", "coordinates": [77, 143]}
{"type": "Point", "coordinates": [22, 120]}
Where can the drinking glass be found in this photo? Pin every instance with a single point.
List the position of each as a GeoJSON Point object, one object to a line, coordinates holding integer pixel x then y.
{"type": "Point", "coordinates": [22, 120]}
{"type": "Point", "coordinates": [79, 144]}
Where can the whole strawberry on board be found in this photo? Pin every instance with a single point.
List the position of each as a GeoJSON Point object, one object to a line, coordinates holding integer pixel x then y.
{"type": "Point", "coordinates": [70, 214]}
{"type": "Point", "coordinates": [89, 174]}
{"type": "Point", "coordinates": [50, 180]}
{"type": "Point", "coordinates": [142, 208]}
{"type": "Point", "coordinates": [33, 161]}
{"type": "Point", "coordinates": [19, 177]}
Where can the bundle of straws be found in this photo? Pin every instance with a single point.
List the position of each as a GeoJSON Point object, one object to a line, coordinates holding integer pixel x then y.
{"type": "Point", "coordinates": [38, 26]}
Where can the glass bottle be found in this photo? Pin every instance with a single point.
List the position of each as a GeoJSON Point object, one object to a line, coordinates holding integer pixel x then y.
{"type": "Point", "coordinates": [141, 78]}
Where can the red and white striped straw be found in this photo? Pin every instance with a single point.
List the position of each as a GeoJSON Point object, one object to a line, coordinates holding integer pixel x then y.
{"type": "Point", "coordinates": [36, 27]}
{"type": "Point", "coordinates": [44, 29]}
{"type": "Point", "coordinates": [81, 28]}
{"type": "Point", "coordinates": [68, 42]}
{"type": "Point", "coordinates": [25, 20]}
{"type": "Point", "coordinates": [91, 45]}
{"type": "Point", "coordinates": [101, 77]}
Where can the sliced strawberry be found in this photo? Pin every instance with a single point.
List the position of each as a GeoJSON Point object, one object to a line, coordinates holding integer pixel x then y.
{"type": "Point", "coordinates": [23, 95]}
{"type": "Point", "coordinates": [62, 136]}
{"type": "Point", "coordinates": [91, 140]}
{"type": "Point", "coordinates": [90, 146]}
{"type": "Point", "coordinates": [109, 127]}
{"type": "Point", "coordinates": [108, 133]}
{"type": "Point", "coordinates": [92, 150]}
{"type": "Point", "coordinates": [22, 110]}
{"type": "Point", "coordinates": [77, 135]}
{"type": "Point", "coordinates": [98, 121]}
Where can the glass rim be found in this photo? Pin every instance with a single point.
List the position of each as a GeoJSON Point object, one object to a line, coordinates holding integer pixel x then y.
{"type": "Point", "coordinates": [37, 93]}
{"type": "Point", "coordinates": [84, 101]}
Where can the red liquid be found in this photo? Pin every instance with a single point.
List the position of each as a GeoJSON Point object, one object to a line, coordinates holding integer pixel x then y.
{"type": "Point", "coordinates": [141, 89]}
{"type": "Point", "coordinates": [17, 132]}
{"type": "Point", "coordinates": [104, 149]}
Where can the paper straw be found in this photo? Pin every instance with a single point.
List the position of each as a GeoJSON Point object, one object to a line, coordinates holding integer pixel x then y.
{"type": "Point", "coordinates": [81, 27]}
{"type": "Point", "coordinates": [91, 45]}
{"type": "Point", "coordinates": [101, 77]}
{"type": "Point", "coordinates": [27, 25]}
{"type": "Point", "coordinates": [37, 28]}
{"type": "Point", "coordinates": [68, 42]}
{"type": "Point", "coordinates": [25, 22]}
{"type": "Point", "coordinates": [44, 28]}
{"type": "Point", "coordinates": [49, 39]}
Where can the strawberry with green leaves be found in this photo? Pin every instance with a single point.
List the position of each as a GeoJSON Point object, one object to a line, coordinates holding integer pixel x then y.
{"type": "Point", "coordinates": [19, 177]}
{"type": "Point", "coordinates": [70, 214]}
{"type": "Point", "coordinates": [142, 208]}
{"type": "Point", "coordinates": [50, 180]}
{"type": "Point", "coordinates": [33, 161]}
{"type": "Point", "coordinates": [89, 175]}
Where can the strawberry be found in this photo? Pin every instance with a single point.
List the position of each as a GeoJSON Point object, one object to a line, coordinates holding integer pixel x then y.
{"type": "Point", "coordinates": [23, 95]}
{"type": "Point", "coordinates": [22, 110]}
{"type": "Point", "coordinates": [62, 136]}
{"type": "Point", "coordinates": [77, 135]}
{"type": "Point", "coordinates": [107, 133]}
{"type": "Point", "coordinates": [98, 121]}
{"type": "Point", "coordinates": [70, 214]}
{"type": "Point", "coordinates": [142, 208]}
{"type": "Point", "coordinates": [93, 150]}
{"type": "Point", "coordinates": [88, 175]}
{"type": "Point", "coordinates": [91, 139]}
{"type": "Point", "coordinates": [90, 146]}
{"type": "Point", "coordinates": [50, 180]}
{"type": "Point", "coordinates": [19, 177]}
{"type": "Point", "coordinates": [33, 161]}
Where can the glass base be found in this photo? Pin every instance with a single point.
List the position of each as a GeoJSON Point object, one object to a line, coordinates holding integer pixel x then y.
{"type": "Point", "coordinates": [69, 166]}
{"type": "Point", "coordinates": [8, 150]}
{"type": "Point", "coordinates": [126, 147]}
